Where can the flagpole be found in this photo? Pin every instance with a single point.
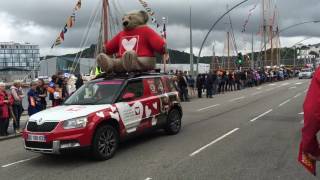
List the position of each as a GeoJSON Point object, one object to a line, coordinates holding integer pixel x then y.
{"type": "Point", "coordinates": [191, 43]}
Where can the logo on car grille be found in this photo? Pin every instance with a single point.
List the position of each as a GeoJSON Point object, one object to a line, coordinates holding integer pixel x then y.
{"type": "Point", "coordinates": [40, 121]}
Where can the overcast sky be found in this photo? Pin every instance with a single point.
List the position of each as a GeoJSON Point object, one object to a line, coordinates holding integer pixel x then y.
{"type": "Point", "coordinates": [40, 21]}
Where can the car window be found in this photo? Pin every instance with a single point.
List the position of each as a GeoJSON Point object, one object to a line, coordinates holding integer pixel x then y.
{"type": "Point", "coordinates": [135, 87]}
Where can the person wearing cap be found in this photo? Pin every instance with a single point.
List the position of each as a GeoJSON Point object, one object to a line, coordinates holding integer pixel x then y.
{"type": "Point", "coordinates": [18, 95]}
{"type": "Point", "coordinates": [34, 100]}
{"type": "Point", "coordinates": [5, 102]}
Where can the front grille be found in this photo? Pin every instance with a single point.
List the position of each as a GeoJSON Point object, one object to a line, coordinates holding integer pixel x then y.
{"type": "Point", "coordinates": [45, 127]}
{"type": "Point", "coordinates": [40, 145]}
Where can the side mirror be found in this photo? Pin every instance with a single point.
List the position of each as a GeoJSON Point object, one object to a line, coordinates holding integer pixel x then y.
{"type": "Point", "coordinates": [128, 96]}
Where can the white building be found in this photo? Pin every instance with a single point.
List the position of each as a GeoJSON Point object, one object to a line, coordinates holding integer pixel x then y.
{"type": "Point", "coordinates": [18, 61]}
{"type": "Point", "coordinates": [51, 66]}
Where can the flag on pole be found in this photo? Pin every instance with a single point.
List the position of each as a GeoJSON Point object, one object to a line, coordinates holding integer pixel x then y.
{"type": "Point", "coordinates": [69, 24]}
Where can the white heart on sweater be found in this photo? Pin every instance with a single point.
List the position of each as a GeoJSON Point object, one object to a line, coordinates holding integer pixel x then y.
{"type": "Point", "coordinates": [129, 45]}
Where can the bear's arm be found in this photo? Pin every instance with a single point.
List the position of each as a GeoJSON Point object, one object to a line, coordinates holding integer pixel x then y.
{"type": "Point", "coordinates": [112, 47]}
{"type": "Point", "coordinates": [156, 41]}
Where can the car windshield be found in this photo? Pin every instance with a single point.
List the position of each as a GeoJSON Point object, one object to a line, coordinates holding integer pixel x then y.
{"type": "Point", "coordinates": [95, 93]}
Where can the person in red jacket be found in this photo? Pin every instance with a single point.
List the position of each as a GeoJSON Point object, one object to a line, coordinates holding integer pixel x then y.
{"type": "Point", "coordinates": [5, 101]}
{"type": "Point", "coordinates": [309, 146]}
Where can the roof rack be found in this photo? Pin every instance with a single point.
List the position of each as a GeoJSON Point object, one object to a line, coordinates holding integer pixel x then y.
{"type": "Point", "coordinates": [128, 75]}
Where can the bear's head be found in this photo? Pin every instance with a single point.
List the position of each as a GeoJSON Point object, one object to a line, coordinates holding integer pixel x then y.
{"type": "Point", "coordinates": [134, 19]}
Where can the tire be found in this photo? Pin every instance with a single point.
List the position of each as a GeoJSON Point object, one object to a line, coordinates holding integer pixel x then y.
{"type": "Point", "coordinates": [173, 122]}
{"type": "Point", "coordinates": [105, 143]}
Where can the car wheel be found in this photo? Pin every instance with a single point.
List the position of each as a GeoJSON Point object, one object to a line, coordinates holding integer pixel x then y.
{"type": "Point", "coordinates": [174, 122]}
{"type": "Point", "coordinates": [105, 142]}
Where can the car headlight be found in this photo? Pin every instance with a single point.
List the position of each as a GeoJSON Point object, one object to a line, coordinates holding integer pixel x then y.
{"type": "Point", "coordinates": [75, 123]}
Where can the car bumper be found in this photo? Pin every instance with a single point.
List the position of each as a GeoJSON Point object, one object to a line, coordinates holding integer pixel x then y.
{"type": "Point", "coordinates": [58, 141]}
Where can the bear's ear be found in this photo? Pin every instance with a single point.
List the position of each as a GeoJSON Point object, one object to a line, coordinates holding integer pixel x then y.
{"type": "Point", "coordinates": [145, 16]}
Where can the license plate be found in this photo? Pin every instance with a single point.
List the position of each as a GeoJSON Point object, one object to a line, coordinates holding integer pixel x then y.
{"type": "Point", "coordinates": [36, 138]}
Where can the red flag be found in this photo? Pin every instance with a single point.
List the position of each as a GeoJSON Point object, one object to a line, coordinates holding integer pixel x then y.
{"type": "Point", "coordinates": [307, 162]}
{"type": "Point", "coordinates": [62, 35]}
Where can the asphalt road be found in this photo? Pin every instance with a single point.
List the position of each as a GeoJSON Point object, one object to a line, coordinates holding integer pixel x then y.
{"type": "Point", "coordinates": [248, 134]}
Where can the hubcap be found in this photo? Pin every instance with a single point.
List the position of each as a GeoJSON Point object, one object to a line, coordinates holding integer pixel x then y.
{"type": "Point", "coordinates": [107, 143]}
{"type": "Point", "coordinates": [175, 121]}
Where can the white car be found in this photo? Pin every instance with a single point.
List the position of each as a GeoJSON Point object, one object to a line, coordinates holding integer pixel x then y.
{"type": "Point", "coordinates": [306, 73]}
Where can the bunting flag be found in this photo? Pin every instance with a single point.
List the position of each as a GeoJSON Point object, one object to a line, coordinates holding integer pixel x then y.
{"type": "Point", "coordinates": [150, 12]}
{"type": "Point", "coordinates": [69, 24]}
{"type": "Point", "coordinates": [244, 27]}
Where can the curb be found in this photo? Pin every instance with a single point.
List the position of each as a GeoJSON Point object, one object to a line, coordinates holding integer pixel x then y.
{"type": "Point", "coordinates": [10, 137]}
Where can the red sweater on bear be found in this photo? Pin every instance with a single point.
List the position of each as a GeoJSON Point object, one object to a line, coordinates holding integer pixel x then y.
{"type": "Point", "coordinates": [309, 143]}
{"type": "Point", "coordinates": [143, 40]}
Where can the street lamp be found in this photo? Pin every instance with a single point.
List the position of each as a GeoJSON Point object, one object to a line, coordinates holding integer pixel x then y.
{"type": "Point", "coordinates": [206, 37]}
{"type": "Point", "coordinates": [298, 24]}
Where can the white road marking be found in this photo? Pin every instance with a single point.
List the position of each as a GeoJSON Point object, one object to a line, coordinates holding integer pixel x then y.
{"type": "Point", "coordinates": [302, 113]}
{"type": "Point", "coordinates": [208, 107]}
{"type": "Point", "coordinates": [256, 93]}
{"type": "Point", "coordinates": [232, 100]}
{"type": "Point", "coordinates": [299, 83]}
{"type": "Point", "coordinates": [296, 96]}
{"type": "Point", "coordinates": [148, 178]}
{"type": "Point", "coordinates": [18, 162]}
{"type": "Point", "coordinates": [261, 115]}
{"type": "Point", "coordinates": [213, 142]}
{"type": "Point", "coordinates": [272, 84]}
{"type": "Point", "coordinates": [285, 102]}
{"type": "Point", "coordinates": [284, 84]}
{"type": "Point", "coordinates": [293, 87]}
{"type": "Point", "coordinates": [259, 88]}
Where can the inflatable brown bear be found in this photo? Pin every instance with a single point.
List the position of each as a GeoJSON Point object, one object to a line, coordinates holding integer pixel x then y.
{"type": "Point", "coordinates": [134, 48]}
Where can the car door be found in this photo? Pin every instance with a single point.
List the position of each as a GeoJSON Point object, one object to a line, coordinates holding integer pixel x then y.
{"type": "Point", "coordinates": [131, 111]}
{"type": "Point", "coordinates": [154, 103]}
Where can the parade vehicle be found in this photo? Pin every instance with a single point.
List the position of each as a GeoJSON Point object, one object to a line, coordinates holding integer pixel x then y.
{"type": "Point", "coordinates": [306, 73]}
{"type": "Point", "coordinates": [104, 112]}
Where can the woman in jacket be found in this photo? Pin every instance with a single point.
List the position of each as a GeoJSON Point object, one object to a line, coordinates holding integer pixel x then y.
{"type": "Point", "coordinates": [5, 102]}
{"type": "Point", "coordinates": [34, 99]}
{"type": "Point", "coordinates": [42, 92]}
{"type": "Point", "coordinates": [17, 93]}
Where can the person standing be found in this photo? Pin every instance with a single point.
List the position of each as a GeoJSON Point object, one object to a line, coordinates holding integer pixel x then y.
{"type": "Point", "coordinates": [209, 85]}
{"type": "Point", "coordinates": [34, 99]}
{"type": "Point", "coordinates": [42, 91]}
{"type": "Point", "coordinates": [18, 95]}
{"type": "Point", "coordinates": [5, 102]}
{"type": "Point", "coordinates": [79, 81]}
{"type": "Point", "coordinates": [214, 83]}
{"type": "Point", "coordinates": [183, 86]}
{"type": "Point", "coordinates": [199, 84]}
{"type": "Point", "coordinates": [191, 85]}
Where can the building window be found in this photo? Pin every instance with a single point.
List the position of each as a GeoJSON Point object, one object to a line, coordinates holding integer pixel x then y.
{"type": "Point", "coordinates": [16, 64]}
{"type": "Point", "coordinates": [1, 50]}
{"type": "Point", "coordinates": [22, 51]}
{"type": "Point", "coordinates": [7, 55]}
{"type": "Point", "coordinates": [10, 64]}
{"type": "Point", "coordinates": [8, 51]}
{"type": "Point", "coordinates": [15, 51]}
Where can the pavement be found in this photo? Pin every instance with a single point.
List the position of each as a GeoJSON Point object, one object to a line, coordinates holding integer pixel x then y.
{"type": "Point", "coordinates": [248, 134]}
